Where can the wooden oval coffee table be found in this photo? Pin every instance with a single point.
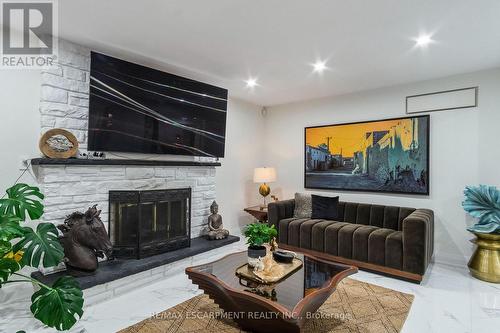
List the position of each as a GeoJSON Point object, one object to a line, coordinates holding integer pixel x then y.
{"type": "Point", "coordinates": [283, 307]}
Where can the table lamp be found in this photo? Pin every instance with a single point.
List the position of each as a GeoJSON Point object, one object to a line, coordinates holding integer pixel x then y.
{"type": "Point", "coordinates": [264, 176]}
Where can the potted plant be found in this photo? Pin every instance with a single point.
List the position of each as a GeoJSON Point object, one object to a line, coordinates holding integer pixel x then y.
{"type": "Point", "coordinates": [258, 234]}
{"type": "Point", "coordinates": [60, 304]}
{"type": "Point", "coordinates": [483, 203]}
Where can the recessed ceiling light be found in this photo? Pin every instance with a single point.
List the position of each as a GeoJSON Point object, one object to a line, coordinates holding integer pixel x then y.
{"type": "Point", "coordinates": [251, 82]}
{"type": "Point", "coordinates": [423, 40]}
{"type": "Point", "coordinates": [319, 66]}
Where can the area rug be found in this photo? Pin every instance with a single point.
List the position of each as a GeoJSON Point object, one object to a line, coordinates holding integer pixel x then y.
{"type": "Point", "coordinates": [354, 307]}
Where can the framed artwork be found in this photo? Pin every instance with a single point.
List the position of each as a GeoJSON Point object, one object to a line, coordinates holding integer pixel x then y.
{"type": "Point", "coordinates": [389, 155]}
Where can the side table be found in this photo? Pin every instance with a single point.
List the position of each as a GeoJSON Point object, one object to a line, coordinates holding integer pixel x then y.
{"type": "Point", "coordinates": [259, 212]}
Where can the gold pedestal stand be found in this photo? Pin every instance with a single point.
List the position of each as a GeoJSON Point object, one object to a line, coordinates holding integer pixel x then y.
{"type": "Point", "coordinates": [485, 261]}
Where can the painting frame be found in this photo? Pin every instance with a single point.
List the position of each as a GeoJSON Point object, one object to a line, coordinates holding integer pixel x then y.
{"type": "Point", "coordinates": [426, 192]}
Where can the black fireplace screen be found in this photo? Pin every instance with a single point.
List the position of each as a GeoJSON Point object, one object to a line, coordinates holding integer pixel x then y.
{"type": "Point", "coordinates": [145, 223]}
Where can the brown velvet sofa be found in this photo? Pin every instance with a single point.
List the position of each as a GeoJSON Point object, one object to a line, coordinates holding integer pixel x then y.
{"type": "Point", "coordinates": [398, 241]}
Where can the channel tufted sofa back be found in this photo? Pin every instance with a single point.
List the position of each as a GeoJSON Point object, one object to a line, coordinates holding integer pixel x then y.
{"type": "Point", "coordinates": [389, 217]}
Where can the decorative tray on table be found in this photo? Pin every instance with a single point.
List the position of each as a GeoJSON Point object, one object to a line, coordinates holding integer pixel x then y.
{"type": "Point", "coordinates": [274, 273]}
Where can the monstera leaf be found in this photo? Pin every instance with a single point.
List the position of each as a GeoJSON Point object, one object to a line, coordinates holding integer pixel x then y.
{"type": "Point", "coordinates": [59, 306]}
{"type": "Point", "coordinates": [56, 307]}
{"type": "Point", "coordinates": [42, 242]}
{"type": "Point", "coordinates": [22, 199]}
{"type": "Point", "coordinates": [5, 247]}
{"type": "Point", "coordinates": [7, 267]}
{"type": "Point", "coordinates": [483, 202]}
{"type": "Point", "coordinates": [10, 228]}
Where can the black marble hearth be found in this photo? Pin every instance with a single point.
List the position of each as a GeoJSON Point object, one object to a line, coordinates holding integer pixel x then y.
{"type": "Point", "coordinates": [119, 268]}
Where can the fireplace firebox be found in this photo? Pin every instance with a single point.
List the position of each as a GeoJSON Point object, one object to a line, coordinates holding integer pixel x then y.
{"type": "Point", "coordinates": [145, 223]}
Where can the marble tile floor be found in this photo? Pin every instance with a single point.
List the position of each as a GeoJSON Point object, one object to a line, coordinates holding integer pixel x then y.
{"type": "Point", "coordinates": [448, 300]}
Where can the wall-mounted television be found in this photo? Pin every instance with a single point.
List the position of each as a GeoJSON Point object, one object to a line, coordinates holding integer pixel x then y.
{"type": "Point", "coordinates": [134, 108]}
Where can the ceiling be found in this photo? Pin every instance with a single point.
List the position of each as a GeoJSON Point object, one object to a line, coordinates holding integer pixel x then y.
{"type": "Point", "coordinates": [367, 44]}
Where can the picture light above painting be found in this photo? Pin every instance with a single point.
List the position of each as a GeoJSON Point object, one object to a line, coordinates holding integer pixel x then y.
{"type": "Point", "coordinates": [442, 100]}
{"type": "Point", "coordinates": [390, 155]}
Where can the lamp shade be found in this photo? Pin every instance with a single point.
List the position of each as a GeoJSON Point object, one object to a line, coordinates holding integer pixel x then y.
{"type": "Point", "coordinates": [264, 175]}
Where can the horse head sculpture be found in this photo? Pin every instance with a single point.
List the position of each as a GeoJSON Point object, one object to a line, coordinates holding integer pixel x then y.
{"type": "Point", "coordinates": [84, 239]}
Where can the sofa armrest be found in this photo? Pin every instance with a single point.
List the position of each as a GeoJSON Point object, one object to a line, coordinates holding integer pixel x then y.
{"type": "Point", "coordinates": [418, 240]}
{"type": "Point", "coordinates": [280, 210]}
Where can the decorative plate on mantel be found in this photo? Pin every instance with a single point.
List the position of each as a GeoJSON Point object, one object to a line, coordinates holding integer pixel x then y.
{"type": "Point", "coordinates": [58, 143]}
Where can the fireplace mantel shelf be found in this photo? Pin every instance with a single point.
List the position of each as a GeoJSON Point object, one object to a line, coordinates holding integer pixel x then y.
{"type": "Point", "coordinates": [97, 162]}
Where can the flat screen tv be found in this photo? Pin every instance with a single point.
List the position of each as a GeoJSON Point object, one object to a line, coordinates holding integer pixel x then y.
{"type": "Point", "coordinates": [133, 108]}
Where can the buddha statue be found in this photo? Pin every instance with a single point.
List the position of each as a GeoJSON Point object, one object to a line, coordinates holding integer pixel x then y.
{"type": "Point", "coordinates": [215, 228]}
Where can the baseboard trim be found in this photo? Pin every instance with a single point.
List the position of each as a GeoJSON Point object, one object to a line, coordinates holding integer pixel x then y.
{"type": "Point", "coordinates": [412, 277]}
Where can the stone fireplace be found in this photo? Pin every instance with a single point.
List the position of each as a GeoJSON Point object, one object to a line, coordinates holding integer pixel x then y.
{"type": "Point", "coordinates": [145, 223]}
{"type": "Point", "coordinates": [75, 184]}
{"type": "Point", "coordinates": [71, 185]}
{"type": "Point", "coordinates": [155, 212]}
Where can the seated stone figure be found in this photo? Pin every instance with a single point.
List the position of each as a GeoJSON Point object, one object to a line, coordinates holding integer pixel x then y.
{"type": "Point", "coordinates": [215, 228]}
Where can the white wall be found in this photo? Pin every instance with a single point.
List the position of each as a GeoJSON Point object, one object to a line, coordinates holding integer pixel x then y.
{"type": "Point", "coordinates": [489, 131]}
{"type": "Point", "coordinates": [464, 149]}
{"type": "Point", "coordinates": [19, 122]}
{"type": "Point", "coordinates": [244, 152]}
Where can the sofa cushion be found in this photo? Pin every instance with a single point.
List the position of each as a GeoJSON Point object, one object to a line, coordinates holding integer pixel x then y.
{"type": "Point", "coordinates": [324, 207]}
{"type": "Point", "coordinates": [306, 233]}
{"type": "Point", "coordinates": [345, 239]}
{"type": "Point", "coordinates": [340, 211]}
{"type": "Point", "coordinates": [294, 231]}
{"type": "Point", "coordinates": [303, 205]}
{"type": "Point", "coordinates": [350, 212]}
{"type": "Point", "coordinates": [283, 230]}
{"type": "Point", "coordinates": [394, 250]}
{"type": "Point", "coordinates": [332, 237]}
{"type": "Point", "coordinates": [360, 242]}
{"type": "Point", "coordinates": [363, 214]}
{"type": "Point", "coordinates": [377, 216]}
{"type": "Point", "coordinates": [318, 235]}
{"type": "Point", "coordinates": [376, 245]}
{"type": "Point", "coordinates": [391, 217]}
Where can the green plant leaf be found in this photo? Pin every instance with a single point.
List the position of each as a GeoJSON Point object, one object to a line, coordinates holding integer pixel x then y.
{"type": "Point", "coordinates": [5, 247]}
{"type": "Point", "coordinates": [22, 199]}
{"type": "Point", "coordinates": [59, 306]}
{"type": "Point", "coordinates": [259, 233]}
{"type": "Point", "coordinates": [44, 242]}
{"type": "Point", "coordinates": [483, 202]}
{"type": "Point", "coordinates": [10, 228]}
{"type": "Point", "coordinates": [7, 267]}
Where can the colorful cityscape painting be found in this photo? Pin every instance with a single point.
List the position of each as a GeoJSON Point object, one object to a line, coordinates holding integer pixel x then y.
{"type": "Point", "coordinates": [383, 156]}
